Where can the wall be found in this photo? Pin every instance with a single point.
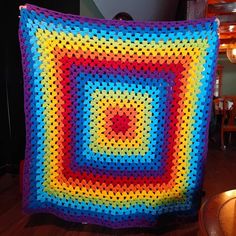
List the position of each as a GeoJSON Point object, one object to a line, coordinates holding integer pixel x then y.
{"type": "Point", "coordinates": [229, 76]}
{"type": "Point", "coordinates": [88, 8]}
{"type": "Point", "coordinates": [138, 9]}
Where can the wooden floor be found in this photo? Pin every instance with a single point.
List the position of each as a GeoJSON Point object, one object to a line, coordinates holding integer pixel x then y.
{"type": "Point", "coordinates": [220, 176]}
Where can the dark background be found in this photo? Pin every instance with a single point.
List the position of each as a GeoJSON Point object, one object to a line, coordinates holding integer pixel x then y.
{"type": "Point", "coordinates": [12, 130]}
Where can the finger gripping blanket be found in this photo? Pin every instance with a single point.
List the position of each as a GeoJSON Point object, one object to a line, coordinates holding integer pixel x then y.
{"type": "Point", "coordinates": [117, 116]}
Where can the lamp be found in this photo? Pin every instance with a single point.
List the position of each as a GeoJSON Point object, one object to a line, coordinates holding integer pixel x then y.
{"type": "Point", "coordinates": [123, 16]}
{"type": "Point", "coordinates": [231, 53]}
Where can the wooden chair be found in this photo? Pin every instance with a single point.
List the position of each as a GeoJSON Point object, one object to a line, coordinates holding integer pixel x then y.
{"type": "Point", "coordinates": [228, 123]}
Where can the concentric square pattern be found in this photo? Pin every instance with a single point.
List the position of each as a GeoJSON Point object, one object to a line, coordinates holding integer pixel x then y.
{"type": "Point", "coordinates": [117, 116]}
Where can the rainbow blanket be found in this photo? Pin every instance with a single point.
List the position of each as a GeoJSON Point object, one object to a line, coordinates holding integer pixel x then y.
{"type": "Point", "coordinates": [117, 116]}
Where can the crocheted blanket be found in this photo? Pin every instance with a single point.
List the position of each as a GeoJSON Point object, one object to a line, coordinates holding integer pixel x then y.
{"type": "Point", "coordinates": [117, 116]}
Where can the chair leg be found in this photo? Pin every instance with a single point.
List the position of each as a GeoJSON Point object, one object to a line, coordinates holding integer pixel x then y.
{"type": "Point", "coordinates": [230, 139]}
{"type": "Point", "coordinates": [222, 143]}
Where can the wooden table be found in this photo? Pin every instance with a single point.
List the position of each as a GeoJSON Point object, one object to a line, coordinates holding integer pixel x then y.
{"type": "Point", "coordinates": [217, 215]}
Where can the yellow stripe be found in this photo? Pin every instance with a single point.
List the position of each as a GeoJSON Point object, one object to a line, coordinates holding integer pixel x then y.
{"type": "Point", "coordinates": [149, 49]}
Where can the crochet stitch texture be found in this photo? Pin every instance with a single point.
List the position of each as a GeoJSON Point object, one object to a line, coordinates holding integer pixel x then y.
{"type": "Point", "coordinates": [117, 115]}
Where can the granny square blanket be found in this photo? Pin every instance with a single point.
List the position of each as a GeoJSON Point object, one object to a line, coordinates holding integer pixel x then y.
{"type": "Point", "coordinates": [117, 116]}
